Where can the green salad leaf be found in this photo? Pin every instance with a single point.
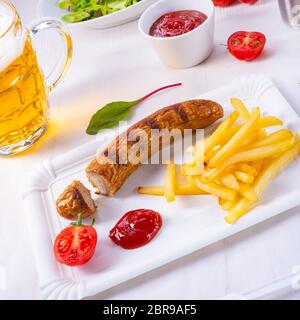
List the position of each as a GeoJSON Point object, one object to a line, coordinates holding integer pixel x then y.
{"type": "Point", "coordinates": [81, 10]}
{"type": "Point", "coordinates": [112, 113]}
{"type": "Point", "coordinates": [76, 16]}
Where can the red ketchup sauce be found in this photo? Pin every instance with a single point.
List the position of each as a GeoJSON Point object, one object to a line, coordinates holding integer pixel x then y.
{"type": "Point", "coordinates": [136, 228]}
{"type": "Point", "coordinates": [176, 23]}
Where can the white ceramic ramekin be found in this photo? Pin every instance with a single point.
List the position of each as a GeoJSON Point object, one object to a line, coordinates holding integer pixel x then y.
{"type": "Point", "coordinates": [186, 50]}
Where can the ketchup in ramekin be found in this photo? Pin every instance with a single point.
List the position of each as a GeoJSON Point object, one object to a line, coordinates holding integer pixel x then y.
{"type": "Point", "coordinates": [176, 23]}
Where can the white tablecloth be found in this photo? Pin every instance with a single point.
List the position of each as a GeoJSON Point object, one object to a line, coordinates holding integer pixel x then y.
{"type": "Point", "coordinates": [115, 64]}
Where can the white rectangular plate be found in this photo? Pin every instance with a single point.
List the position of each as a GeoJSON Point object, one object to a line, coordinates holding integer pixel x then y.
{"type": "Point", "coordinates": [190, 223]}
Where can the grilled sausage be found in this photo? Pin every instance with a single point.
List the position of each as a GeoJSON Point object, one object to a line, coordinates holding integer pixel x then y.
{"type": "Point", "coordinates": [107, 173]}
{"type": "Point", "coordinates": [74, 200]}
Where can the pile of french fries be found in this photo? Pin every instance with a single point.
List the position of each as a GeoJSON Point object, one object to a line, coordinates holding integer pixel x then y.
{"type": "Point", "coordinates": [235, 163]}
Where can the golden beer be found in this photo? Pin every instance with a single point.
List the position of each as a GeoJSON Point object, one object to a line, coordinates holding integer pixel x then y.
{"type": "Point", "coordinates": [23, 88]}
{"type": "Point", "coordinates": [23, 98]}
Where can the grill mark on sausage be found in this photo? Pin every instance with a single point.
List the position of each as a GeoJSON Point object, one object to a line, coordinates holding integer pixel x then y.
{"type": "Point", "coordinates": [153, 124]}
{"type": "Point", "coordinates": [181, 112]}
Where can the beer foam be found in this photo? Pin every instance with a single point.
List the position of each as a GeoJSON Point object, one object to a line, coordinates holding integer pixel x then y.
{"type": "Point", "coordinates": [11, 44]}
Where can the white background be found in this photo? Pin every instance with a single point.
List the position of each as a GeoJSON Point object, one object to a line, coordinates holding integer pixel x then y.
{"type": "Point", "coordinates": [115, 64]}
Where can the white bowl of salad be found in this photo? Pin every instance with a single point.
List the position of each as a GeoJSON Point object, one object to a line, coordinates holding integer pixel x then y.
{"type": "Point", "coordinates": [97, 14]}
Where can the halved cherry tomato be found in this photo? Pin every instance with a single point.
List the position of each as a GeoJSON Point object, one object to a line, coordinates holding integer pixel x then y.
{"type": "Point", "coordinates": [246, 45]}
{"type": "Point", "coordinates": [248, 1]}
{"type": "Point", "coordinates": [136, 228]}
{"type": "Point", "coordinates": [222, 3]}
{"type": "Point", "coordinates": [75, 245]}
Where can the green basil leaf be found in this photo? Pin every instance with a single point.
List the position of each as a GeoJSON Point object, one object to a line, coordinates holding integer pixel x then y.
{"type": "Point", "coordinates": [110, 115]}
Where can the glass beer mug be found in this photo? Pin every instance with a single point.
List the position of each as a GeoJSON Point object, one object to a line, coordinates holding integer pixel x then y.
{"type": "Point", "coordinates": [23, 89]}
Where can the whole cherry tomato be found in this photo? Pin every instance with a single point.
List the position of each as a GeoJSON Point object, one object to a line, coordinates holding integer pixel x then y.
{"type": "Point", "coordinates": [246, 45]}
{"type": "Point", "coordinates": [248, 1]}
{"type": "Point", "coordinates": [76, 244]}
{"type": "Point", "coordinates": [222, 3]}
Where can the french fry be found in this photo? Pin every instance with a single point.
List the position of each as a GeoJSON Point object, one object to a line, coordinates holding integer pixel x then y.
{"type": "Point", "coordinates": [237, 139]}
{"type": "Point", "coordinates": [170, 182]}
{"type": "Point", "coordinates": [199, 159]}
{"type": "Point", "coordinates": [191, 169]}
{"type": "Point", "coordinates": [196, 166]}
{"type": "Point", "coordinates": [274, 168]}
{"type": "Point", "coordinates": [263, 123]}
{"type": "Point", "coordinates": [207, 172]}
{"type": "Point", "coordinates": [250, 140]}
{"type": "Point", "coordinates": [188, 189]}
{"type": "Point", "coordinates": [240, 108]}
{"type": "Point", "coordinates": [183, 169]}
{"type": "Point", "coordinates": [243, 176]}
{"type": "Point", "coordinates": [266, 122]}
{"type": "Point", "coordinates": [226, 204]}
{"type": "Point", "coordinates": [212, 141]}
{"type": "Point", "coordinates": [220, 132]}
{"type": "Point", "coordinates": [229, 181]}
{"type": "Point", "coordinates": [263, 152]}
{"type": "Point", "coordinates": [257, 165]}
{"type": "Point", "coordinates": [244, 167]}
{"type": "Point", "coordinates": [215, 189]}
{"type": "Point", "coordinates": [209, 154]}
{"type": "Point", "coordinates": [239, 209]}
{"type": "Point", "coordinates": [248, 192]}
{"type": "Point", "coordinates": [255, 154]}
{"type": "Point", "coordinates": [270, 121]}
{"type": "Point", "coordinates": [229, 134]}
{"type": "Point", "coordinates": [267, 175]}
{"type": "Point", "coordinates": [152, 190]}
{"type": "Point", "coordinates": [274, 137]}
{"type": "Point", "coordinates": [261, 134]}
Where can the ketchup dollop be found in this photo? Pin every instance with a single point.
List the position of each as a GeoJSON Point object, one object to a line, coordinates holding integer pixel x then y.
{"type": "Point", "coordinates": [136, 228]}
{"type": "Point", "coordinates": [176, 23]}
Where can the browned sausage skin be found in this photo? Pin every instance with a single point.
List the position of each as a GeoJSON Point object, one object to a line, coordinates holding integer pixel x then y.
{"type": "Point", "coordinates": [108, 176]}
{"type": "Point", "coordinates": [75, 199]}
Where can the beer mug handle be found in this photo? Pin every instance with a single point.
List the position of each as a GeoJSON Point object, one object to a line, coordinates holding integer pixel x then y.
{"type": "Point", "coordinates": [45, 24]}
